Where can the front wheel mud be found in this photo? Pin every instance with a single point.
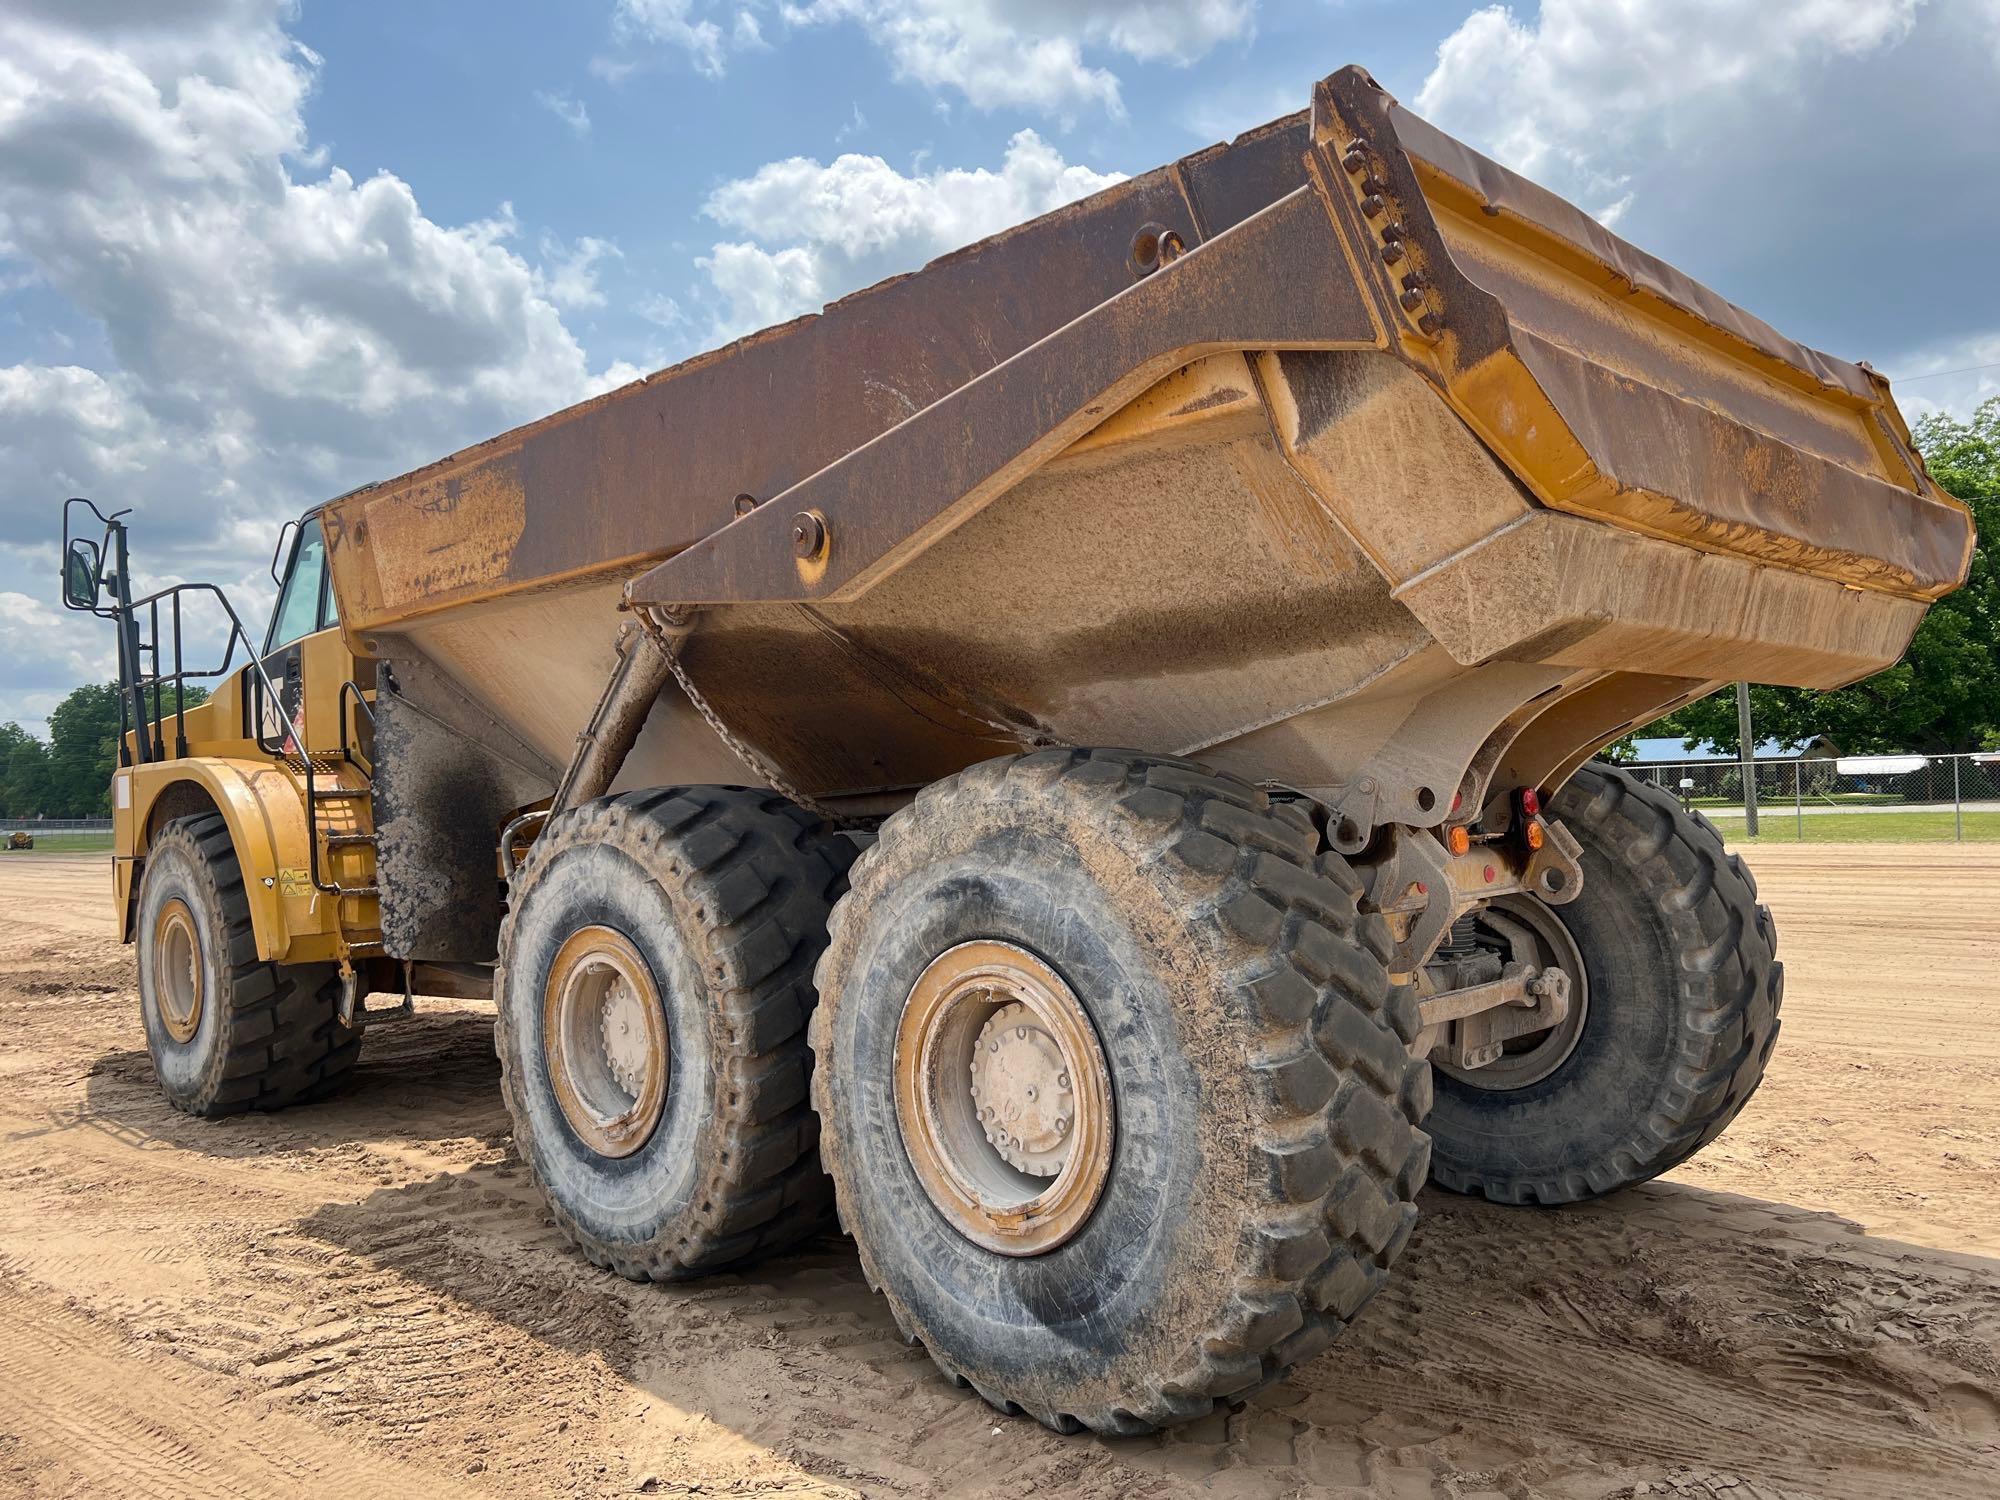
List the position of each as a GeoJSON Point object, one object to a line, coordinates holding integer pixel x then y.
{"type": "Point", "coordinates": [1114, 1089]}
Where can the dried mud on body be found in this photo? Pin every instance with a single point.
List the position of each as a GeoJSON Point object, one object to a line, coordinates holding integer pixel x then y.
{"type": "Point", "coordinates": [364, 1296]}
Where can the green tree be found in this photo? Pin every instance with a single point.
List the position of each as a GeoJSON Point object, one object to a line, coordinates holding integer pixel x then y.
{"type": "Point", "coordinates": [1944, 695]}
{"type": "Point", "coordinates": [24, 772]}
{"type": "Point", "coordinates": [83, 749]}
{"type": "Point", "coordinates": [70, 777]}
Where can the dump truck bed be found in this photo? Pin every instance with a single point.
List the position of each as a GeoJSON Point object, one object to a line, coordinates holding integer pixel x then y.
{"type": "Point", "coordinates": [1338, 455]}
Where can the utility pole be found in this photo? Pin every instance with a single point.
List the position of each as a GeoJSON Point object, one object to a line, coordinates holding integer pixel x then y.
{"type": "Point", "coordinates": [1746, 752]}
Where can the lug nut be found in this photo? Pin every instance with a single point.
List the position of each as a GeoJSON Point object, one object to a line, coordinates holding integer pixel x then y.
{"type": "Point", "coordinates": [1412, 300]}
{"type": "Point", "coordinates": [1392, 253]}
{"type": "Point", "coordinates": [1430, 322]}
{"type": "Point", "coordinates": [1372, 206]}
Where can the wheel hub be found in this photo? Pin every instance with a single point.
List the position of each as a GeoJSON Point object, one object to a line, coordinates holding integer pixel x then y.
{"type": "Point", "coordinates": [625, 1037]}
{"type": "Point", "coordinates": [1027, 1107]}
{"type": "Point", "coordinates": [604, 1041]}
{"type": "Point", "coordinates": [1532, 933]}
{"type": "Point", "coordinates": [1003, 1098]}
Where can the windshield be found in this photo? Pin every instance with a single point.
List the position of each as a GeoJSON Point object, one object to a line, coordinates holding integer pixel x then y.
{"type": "Point", "coordinates": [298, 611]}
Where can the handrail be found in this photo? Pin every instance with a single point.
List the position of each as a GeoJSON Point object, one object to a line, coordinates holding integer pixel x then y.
{"type": "Point", "coordinates": [347, 753]}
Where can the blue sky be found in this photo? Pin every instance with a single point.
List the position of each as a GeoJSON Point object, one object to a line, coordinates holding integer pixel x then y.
{"type": "Point", "coordinates": [253, 253]}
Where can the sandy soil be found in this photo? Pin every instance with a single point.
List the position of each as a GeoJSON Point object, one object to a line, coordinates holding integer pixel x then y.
{"type": "Point", "coordinates": [364, 1297]}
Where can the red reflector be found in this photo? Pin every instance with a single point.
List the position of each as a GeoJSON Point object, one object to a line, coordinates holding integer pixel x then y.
{"type": "Point", "coordinates": [1490, 872]}
{"type": "Point", "coordinates": [1531, 801]}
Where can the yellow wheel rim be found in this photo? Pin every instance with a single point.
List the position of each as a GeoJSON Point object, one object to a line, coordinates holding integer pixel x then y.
{"type": "Point", "coordinates": [604, 1039]}
{"type": "Point", "coordinates": [179, 986]}
{"type": "Point", "coordinates": [1003, 1098]}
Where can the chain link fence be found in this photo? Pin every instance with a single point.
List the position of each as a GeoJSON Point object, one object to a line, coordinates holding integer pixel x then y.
{"type": "Point", "coordinates": [50, 835]}
{"type": "Point", "coordinates": [1848, 798]}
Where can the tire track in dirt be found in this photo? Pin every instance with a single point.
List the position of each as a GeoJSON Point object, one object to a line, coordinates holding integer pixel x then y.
{"type": "Point", "coordinates": [116, 1422]}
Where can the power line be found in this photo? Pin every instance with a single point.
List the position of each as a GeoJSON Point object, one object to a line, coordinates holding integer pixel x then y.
{"type": "Point", "coordinates": [1940, 374]}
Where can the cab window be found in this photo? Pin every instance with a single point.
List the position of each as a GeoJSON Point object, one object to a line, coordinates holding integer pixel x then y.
{"type": "Point", "coordinates": [301, 605]}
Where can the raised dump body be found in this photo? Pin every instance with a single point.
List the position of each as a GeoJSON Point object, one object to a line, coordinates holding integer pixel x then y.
{"type": "Point", "coordinates": [1339, 456]}
{"type": "Point", "coordinates": [1200, 605]}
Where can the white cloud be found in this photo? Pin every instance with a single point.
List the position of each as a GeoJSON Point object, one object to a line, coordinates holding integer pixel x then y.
{"type": "Point", "coordinates": [996, 53]}
{"type": "Point", "coordinates": [814, 231]}
{"type": "Point", "coordinates": [660, 310]}
{"type": "Point", "coordinates": [279, 330]}
{"type": "Point", "coordinates": [1585, 90]}
{"type": "Point", "coordinates": [569, 110]}
{"type": "Point", "coordinates": [569, 274]}
{"type": "Point", "coordinates": [672, 23]}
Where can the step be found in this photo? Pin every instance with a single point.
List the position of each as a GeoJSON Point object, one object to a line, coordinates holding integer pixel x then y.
{"type": "Point", "coordinates": [344, 891]}
{"type": "Point", "coordinates": [348, 840]}
{"type": "Point", "coordinates": [334, 793]}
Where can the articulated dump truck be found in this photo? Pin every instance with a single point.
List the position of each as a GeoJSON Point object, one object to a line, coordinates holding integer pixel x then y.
{"type": "Point", "coordinates": [1078, 760]}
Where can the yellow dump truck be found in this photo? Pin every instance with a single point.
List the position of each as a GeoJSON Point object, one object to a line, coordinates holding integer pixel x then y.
{"type": "Point", "coordinates": [1079, 758]}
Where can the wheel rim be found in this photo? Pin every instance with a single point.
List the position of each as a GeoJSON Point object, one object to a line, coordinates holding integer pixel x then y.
{"type": "Point", "coordinates": [1003, 1098]}
{"type": "Point", "coordinates": [604, 1038]}
{"type": "Point", "coordinates": [1532, 933]}
{"type": "Point", "coordinates": [178, 983]}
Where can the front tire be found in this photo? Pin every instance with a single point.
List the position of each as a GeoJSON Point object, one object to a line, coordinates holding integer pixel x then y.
{"type": "Point", "coordinates": [654, 981]}
{"type": "Point", "coordinates": [1684, 986]}
{"type": "Point", "coordinates": [227, 1031]}
{"type": "Point", "coordinates": [1260, 1122]}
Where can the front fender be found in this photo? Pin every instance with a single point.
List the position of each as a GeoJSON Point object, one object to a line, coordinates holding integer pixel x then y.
{"type": "Point", "coordinates": [265, 812]}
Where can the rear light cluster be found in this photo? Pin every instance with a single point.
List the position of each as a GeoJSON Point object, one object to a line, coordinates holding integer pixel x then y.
{"type": "Point", "coordinates": [1532, 832]}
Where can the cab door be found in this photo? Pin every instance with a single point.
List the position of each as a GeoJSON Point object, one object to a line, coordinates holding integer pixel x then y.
{"type": "Point", "coordinates": [299, 614]}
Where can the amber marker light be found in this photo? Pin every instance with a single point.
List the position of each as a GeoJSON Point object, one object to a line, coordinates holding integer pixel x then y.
{"type": "Point", "coordinates": [1457, 840]}
{"type": "Point", "coordinates": [1534, 834]}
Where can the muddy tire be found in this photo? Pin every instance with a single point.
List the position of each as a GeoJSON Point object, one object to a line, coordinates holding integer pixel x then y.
{"type": "Point", "coordinates": [227, 1031]}
{"type": "Point", "coordinates": [715, 900]}
{"type": "Point", "coordinates": [1683, 989]}
{"type": "Point", "coordinates": [1265, 1149]}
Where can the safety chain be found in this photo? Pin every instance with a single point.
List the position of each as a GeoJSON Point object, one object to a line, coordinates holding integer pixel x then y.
{"type": "Point", "coordinates": [770, 774]}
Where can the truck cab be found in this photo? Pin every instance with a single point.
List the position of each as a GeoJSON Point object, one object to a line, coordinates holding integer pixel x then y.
{"type": "Point", "coordinates": [267, 779]}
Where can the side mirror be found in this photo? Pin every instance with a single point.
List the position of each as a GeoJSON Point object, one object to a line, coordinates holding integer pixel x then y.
{"type": "Point", "coordinates": [83, 574]}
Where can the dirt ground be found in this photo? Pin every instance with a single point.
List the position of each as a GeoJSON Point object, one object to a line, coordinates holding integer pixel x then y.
{"type": "Point", "coordinates": [364, 1297]}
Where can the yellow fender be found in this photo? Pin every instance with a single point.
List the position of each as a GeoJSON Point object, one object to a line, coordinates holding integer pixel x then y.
{"type": "Point", "coordinates": [264, 808]}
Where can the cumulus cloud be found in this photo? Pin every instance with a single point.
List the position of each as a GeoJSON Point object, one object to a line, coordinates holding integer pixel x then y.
{"type": "Point", "coordinates": [995, 53]}
{"type": "Point", "coordinates": [1583, 90]}
{"type": "Point", "coordinates": [1030, 53]}
{"type": "Point", "coordinates": [279, 330]}
{"type": "Point", "coordinates": [815, 231]}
